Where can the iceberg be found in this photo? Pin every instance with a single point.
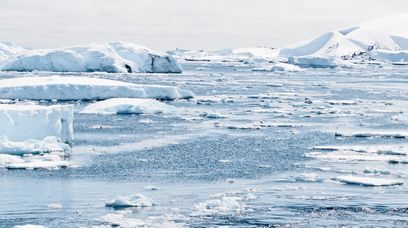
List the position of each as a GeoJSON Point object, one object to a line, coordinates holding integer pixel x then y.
{"type": "Point", "coordinates": [84, 88]}
{"type": "Point", "coordinates": [128, 106]}
{"type": "Point", "coordinates": [33, 122]}
{"type": "Point", "coordinates": [395, 57]}
{"type": "Point", "coordinates": [115, 57]}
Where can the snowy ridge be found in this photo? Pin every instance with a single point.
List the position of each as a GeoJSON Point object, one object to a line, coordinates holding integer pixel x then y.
{"type": "Point", "coordinates": [116, 57]}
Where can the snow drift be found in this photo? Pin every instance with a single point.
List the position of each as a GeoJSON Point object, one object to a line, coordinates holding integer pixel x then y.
{"type": "Point", "coordinates": [116, 57]}
{"type": "Point", "coordinates": [83, 88]}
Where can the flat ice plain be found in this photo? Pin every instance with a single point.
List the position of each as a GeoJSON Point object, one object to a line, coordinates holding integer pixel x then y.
{"type": "Point", "coordinates": [235, 140]}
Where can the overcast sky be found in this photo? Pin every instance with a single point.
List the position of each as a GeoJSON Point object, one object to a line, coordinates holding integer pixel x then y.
{"type": "Point", "coordinates": [192, 24]}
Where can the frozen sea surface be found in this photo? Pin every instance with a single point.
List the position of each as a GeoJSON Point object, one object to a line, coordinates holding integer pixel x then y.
{"type": "Point", "coordinates": [251, 149]}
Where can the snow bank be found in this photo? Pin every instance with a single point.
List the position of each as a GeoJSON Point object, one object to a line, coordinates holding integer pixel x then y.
{"type": "Point", "coordinates": [128, 106]}
{"type": "Point", "coordinates": [368, 181]}
{"type": "Point", "coordinates": [25, 122]}
{"type": "Point", "coordinates": [116, 57]}
{"type": "Point", "coordinates": [135, 200]}
{"type": "Point", "coordinates": [83, 88]}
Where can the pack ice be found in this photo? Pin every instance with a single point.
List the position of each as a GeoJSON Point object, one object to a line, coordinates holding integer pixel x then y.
{"type": "Point", "coordinates": [83, 88]}
{"type": "Point", "coordinates": [115, 57]}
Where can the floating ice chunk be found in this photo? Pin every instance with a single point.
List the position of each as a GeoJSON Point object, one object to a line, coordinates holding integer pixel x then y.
{"type": "Point", "coordinates": [377, 171]}
{"type": "Point", "coordinates": [129, 106]}
{"type": "Point", "coordinates": [24, 122]}
{"type": "Point", "coordinates": [308, 177]}
{"type": "Point", "coordinates": [135, 200]}
{"type": "Point", "coordinates": [51, 161]}
{"type": "Point", "coordinates": [281, 67]}
{"type": "Point", "coordinates": [113, 57]}
{"type": "Point", "coordinates": [317, 61]}
{"type": "Point", "coordinates": [368, 181]}
{"type": "Point", "coordinates": [374, 133]}
{"type": "Point", "coordinates": [83, 88]}
{"type": "Point", "coordinates": [54, 206]}
{"type": "Point", "coordinates": [213, 115]}
{"type": "Point", "coordinates": [219, 206]}
{"type": "Point", "coordinates": [6, 159]}
{"type": "Point", "coordinates": [29, 226]}
{"type": "Point", "coordinates": [30, 146]}
{"type": "Point", "coordinates": [390, 56]}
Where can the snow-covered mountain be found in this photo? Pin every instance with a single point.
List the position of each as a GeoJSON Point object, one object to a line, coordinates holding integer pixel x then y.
{"type": "Point", "coordinates": [388, 33]}
{"type": "Point", "coordinates": [113, 57]}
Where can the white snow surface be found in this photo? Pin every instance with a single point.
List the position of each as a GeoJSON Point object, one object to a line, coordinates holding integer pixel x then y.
{"type": "Point", "coordinates": [83, 88]}
{"type": "Point", "coordinates": [368, 181]}
{"type": "Point", "coordinates": [115, 57]}
{"type": "Point", "coordinates": [135, 200]}
{"type": "Point", "coordinates": [128, 106]}
{"type": "Point", "coordinates": [20, 123]}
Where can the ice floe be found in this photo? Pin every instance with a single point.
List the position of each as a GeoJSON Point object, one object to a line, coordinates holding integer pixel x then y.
{"type": "Point", "coordinates": [83, 88]}
{"type": "Point", "coordinates": [135, 200]}
{"type": "Point", "coordinates": [103, 57]}
{"type": "Point", "coordinates": [29, 226]}
{"type": "Point", "coordinates": [368, 181]}
{"type": "Point", "coordinates": [45, 161]}
{"type": "Point", "coordinates": [129, 106]}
